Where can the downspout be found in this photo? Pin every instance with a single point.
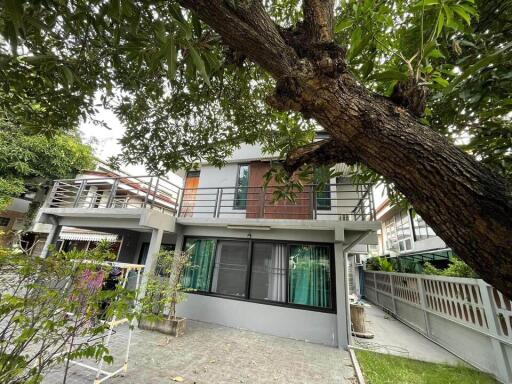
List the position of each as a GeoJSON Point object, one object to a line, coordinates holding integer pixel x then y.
{"type": "Point", "coordinates": [345, 276]}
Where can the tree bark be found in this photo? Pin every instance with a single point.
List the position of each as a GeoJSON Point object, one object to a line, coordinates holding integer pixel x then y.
{"type": "Point", "coordinates": [465, 204]}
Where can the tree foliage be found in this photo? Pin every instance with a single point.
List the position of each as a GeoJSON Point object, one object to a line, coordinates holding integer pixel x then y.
{"type": "Point", "coordinates": [184, 95]}
{"type": "Point", "coordinates": [30, 161]}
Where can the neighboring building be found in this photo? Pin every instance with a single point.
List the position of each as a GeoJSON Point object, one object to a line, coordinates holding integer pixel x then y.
{"type": "Point", "coordinates": [406, 235]}
{"type": "Point", "coordinates": [274, 267]}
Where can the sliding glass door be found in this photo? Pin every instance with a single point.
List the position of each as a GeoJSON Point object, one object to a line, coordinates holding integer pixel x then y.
{"type": "Point", "coordinates": [274, 272]}
{"type": "Point", "coordinates": [268, 274]}
{"type": "Point", "coordinates": [231, 265]}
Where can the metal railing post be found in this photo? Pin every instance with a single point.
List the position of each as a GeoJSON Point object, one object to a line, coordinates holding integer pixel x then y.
{"type": "Point", "coordinates": [79, 193]}
{"type": "Point", "coordinates": [423, 303]}
{"type": "Point", "coordinates": [181, 193]}
{"type": "Point", "coordinates": [314, 203]}
{"type": "Point", "coordinates": [216, 202]}
{"type": "Point", "coordinates": [113, 192]}
{"type": "Point", "coordinates": [392, 293]}
{"type": "Point", "coordinates": [155, 190]}
{"type": "Point", "coordinates": [51, 195]}
{"type": "Point", "coordinates": [148, 191]}
{"type": "Point", "coordinates": [494, 326]}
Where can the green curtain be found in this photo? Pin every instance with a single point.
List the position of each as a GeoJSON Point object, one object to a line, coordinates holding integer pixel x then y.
{"type": "Point", "coordinates": [198, 274]}
{"type": "Point", "coordinates": [310, 276]}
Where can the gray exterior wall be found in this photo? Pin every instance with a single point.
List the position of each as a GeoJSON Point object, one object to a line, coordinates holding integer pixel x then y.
{"type": "Point", "coordinates": [315, 327]}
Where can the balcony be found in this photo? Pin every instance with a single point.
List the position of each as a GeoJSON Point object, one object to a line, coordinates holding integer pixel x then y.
{"type": "Point", "coordinates": [341, 201]}
{"type": "Point", "coordinates": [115, 192]}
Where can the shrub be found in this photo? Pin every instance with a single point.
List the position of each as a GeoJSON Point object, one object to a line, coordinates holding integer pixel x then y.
{"type": "Point", "coordinates": [164, 289]}
{"type": "Point", "coordinates": [53, 309]}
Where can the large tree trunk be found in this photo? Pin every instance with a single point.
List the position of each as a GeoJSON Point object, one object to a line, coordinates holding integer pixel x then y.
{"type": "Point", "coordinates": [467, 206]}
{"type": "Point", "coordinates": [459, 198]}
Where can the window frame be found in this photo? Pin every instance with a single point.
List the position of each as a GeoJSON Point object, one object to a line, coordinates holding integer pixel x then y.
{"type": "Point", "coordinates": [288, 244]}
{"type": "Point", "coordinates": [236, 199]}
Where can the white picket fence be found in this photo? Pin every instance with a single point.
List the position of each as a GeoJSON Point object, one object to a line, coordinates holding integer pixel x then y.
{"type": "Point", "coordinates": [466, 316]}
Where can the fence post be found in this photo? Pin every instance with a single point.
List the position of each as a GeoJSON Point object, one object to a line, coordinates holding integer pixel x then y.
{"type": "Point", "coordinates": [492, 320]}
{"type": "Point", "coordinates": [375, 286]}
{"type": "Point", "coordinates": [392, 292]}
{"type": "Point", "coordinates": [423, 303]}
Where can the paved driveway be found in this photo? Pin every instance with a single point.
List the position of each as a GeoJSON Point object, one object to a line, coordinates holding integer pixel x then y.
{"type": "Point", "coordinates": [212, 354]}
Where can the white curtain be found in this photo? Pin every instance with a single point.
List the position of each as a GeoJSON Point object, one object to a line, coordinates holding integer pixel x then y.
{"type": "Point", "coordinates": [277, 277]}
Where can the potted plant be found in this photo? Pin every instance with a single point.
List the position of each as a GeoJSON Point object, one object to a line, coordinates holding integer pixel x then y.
{"type": "Point", "coordinates": [163, 292]}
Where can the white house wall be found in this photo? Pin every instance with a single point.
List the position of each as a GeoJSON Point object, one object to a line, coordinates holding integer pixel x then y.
{"type": "Point", "coordinates": [213, 178]}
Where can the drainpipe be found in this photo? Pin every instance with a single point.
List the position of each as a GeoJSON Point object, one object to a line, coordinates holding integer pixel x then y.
{"type": "Point", "coordinates": [346, 249]}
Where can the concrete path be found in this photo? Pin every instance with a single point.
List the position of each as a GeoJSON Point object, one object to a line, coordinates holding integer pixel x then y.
{"type": "Point", "coordinates": [212, 354]}
{"type": "Point", "coordinates": [395, 338]}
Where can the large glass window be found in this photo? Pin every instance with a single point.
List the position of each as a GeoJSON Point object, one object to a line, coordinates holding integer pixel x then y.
{"type": "Point", "coordinates": [198, 274]}
{"type": "Point", "coordinates": [309, 276]}
{"type": "Point", "coordinates": [269, 270]}
{"type": "Point", "coordinates": [231, 264]}
{"type": "Point", "coordinates": [279, 272]}
{"type": "Point", "coordinates": [242, 184]}
{"type": "Point", "coordinates": [422, 230]}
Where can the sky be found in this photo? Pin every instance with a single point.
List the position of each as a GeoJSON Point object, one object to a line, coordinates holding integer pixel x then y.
{"type": "Point", "coordinates": [105, 142]}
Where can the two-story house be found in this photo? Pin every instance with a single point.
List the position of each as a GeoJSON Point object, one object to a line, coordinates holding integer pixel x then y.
{"type": "Point", "coordinates": [276, 267]}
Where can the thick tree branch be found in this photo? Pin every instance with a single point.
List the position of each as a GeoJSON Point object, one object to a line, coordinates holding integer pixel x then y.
{"type": "Point", "coordinates": [318, 17]}
{"type": "Point", "coordinates": [248, 28]}
{"type": "Point", "coordinates": [324, 152]}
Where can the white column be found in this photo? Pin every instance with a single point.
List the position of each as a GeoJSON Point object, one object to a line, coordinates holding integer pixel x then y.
{"type": "Point", "coordinates": [149, 267]}
{"type": "Point", "coordinates": [342, 305]}
{"type": "Point", "coordinates": [52, 238]}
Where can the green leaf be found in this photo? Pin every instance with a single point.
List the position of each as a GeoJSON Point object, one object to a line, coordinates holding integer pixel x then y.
{"type": "Point", "coordinates": [199, 63]}
{"type": "Point", "coordinates": [343, 24]}
{"type": "Point", "coordinates": [68, 75]}
{"type": "Point", "coordinates": [436, 54]}
{"type": "Point", "coordinates": [442, 82]}
{"type": "Point", "coordinates": [440, 24]}
{"type": "Point", "coordinates": [171, 55]}
{"type": "Point", "coordinates": [462, 13]}
{"type": "Point", "coordinates": [389, 75]}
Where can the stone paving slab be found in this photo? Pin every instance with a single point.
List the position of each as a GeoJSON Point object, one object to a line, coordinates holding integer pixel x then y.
{"type": "Point", "coordinates": [213, 354]}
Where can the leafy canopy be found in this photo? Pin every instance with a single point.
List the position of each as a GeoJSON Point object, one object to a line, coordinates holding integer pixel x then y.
{"type": "Point", "coordinates": [28, 162]}
{"type": "Point", "coordinates": [184, 96]}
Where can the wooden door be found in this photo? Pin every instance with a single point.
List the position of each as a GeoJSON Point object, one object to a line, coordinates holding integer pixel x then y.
{"type": "Point", "coordinates": [260, 205]}
{"type": "Point", "coordinates": [189, 194]}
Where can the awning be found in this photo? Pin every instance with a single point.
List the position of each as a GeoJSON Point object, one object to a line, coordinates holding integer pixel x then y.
{"type": "Point", "coordinates": [88, 236]}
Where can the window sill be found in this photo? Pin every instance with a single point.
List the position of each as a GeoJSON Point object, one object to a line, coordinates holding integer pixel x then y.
{"type": "Point", "coordinates": [266, 302]}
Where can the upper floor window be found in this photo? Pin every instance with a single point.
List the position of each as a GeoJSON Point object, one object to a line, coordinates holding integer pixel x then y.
{"type": "Point", "coordinates": [4, 221]}
{"type": "Point", "coordinates": [323, 198]}
{"type": "Point", "coordinates": [323, 194]}
{"type": "Point", "coordinates": [398, 232]}
{"type": "Point", "coordinates": [422, 230]}
{"type": "Point", "coordinates": [241, 189]}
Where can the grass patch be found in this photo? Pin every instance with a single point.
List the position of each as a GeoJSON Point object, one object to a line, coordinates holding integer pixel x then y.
{"type": "Point", "coordinates": [379, 368]}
